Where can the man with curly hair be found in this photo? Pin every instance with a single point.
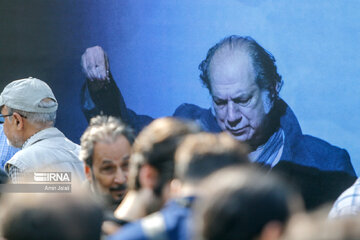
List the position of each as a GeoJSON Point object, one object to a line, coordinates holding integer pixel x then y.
{"type": "Point", "coordinates": [105, 150]}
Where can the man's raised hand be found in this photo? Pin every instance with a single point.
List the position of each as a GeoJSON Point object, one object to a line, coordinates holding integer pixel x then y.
{"type": "Point", "coordinates": [95, 65]}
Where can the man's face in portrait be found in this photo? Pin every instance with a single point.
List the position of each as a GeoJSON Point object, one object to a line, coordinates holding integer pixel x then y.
{"type": "Point", "coordinates": [240, 105]}
{"type": "Point", "coordinates": [109, 172]}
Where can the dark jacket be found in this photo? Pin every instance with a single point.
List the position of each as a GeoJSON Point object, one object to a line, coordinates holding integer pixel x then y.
{"type": "Point", "coordinates": [317, 169]}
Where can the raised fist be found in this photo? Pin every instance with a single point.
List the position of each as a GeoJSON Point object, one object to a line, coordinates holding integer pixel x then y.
{"type": "Point", "coordinates": [95, 64]}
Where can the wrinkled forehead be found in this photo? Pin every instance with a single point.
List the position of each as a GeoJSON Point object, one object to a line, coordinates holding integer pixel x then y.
{"type": "Point", "coordinates": [232, 50]}
{"type": "Point", "coordinates": [231, 66]}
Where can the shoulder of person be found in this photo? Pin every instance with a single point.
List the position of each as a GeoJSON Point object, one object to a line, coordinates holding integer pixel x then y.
{"type": "Point", "coordinates": [189, 111]}
{"type": "Point", "coordinates": [310, 151]}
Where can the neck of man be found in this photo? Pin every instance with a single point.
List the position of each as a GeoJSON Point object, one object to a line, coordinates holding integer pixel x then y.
{"type": "Point", "coordinates": [31, 129]}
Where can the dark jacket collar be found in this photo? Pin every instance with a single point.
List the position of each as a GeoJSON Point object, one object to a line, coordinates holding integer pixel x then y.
{"type": "Point", "coordinates": [291, 127]}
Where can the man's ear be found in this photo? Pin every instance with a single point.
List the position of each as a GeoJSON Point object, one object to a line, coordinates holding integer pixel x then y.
{"type": "Point", "coordinates": [88, 173]}
{"type": "Point", "coordinates": [268, 104]}
{"type": "Point", "coordinates": [148, 176]}
{"type": "Point", "coordinates": [18, 121]}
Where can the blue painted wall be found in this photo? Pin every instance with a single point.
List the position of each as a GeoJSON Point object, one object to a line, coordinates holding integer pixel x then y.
{"type": "Point", "coordinates": [155, 47]}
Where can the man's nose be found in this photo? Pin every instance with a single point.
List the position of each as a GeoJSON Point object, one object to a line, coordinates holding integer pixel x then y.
{"type": "Point", "coordinates": [233, 114]}
{"type": "Point", "coordinates": [121, 177]}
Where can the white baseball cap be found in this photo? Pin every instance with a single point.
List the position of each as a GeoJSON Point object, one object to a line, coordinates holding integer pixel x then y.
{"type": "Point", "coordinates": [26, 94]}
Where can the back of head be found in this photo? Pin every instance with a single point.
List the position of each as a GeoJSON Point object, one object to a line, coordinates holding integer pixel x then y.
{"type": "Point", "coordinates": [201, 154]}
{"type": "Point", "coordinates": [50, 216]}
{"type": "Point", "coordinates": [246, 201]}
{"type": "Point", "coordinates": [156, 146]}
{"type": "Point", "coordinates": [316, 226]}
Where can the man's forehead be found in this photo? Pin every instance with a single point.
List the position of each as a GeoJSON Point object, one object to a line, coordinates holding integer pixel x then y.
{"type": "Point", "coordinates": [112, 149]}
{"type": "Point", "coordinates": [226, 56]}
{"type": "Point", "coordinates": [109, 140]}
{"type": "Point", "coordinates": [101, 158]}
{"type": "Point", "coordinates": [231, 68]}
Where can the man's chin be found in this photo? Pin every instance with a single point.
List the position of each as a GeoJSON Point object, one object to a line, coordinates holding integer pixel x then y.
{"type": "Point", "coordinates": [15, 145]}
{"type": "Point", "coordinates": [117, 198]}
{"type": "Point", "coordinates": [253, 141]}
{"type": "Point", "coordinates": [112, 202]}
{"type": "Point", "coordinates": [243, 137]}
{"type": "Point", "coordinates": [116, 201]}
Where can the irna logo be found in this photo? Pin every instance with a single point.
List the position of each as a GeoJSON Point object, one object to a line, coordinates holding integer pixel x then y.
{"type": "Point", "coordinates": [52, 176]}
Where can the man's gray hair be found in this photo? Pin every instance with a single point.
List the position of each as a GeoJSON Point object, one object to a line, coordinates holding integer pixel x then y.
{"type": "Point", "coordinates": [38, 118]}
{"type": "Point", "coordinates": [102, 129]}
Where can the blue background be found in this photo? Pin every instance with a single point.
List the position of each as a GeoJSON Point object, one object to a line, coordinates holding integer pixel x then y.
{"type": "Point", "coordinates": [155, 47]}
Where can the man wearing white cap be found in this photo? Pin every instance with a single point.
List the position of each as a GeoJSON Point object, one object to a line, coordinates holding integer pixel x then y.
{"type": "Point", "coordinates": [28, 107]}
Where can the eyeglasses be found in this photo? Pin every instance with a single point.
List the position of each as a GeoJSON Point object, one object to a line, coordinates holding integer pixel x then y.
{"type": "Point", "coordinates": [2, 117]}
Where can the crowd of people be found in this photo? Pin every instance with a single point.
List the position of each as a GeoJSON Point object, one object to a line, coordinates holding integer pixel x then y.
{"type": "Point", "coordinates": [241, 169]}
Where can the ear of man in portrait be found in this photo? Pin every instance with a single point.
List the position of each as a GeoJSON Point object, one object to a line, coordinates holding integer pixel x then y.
{"type": "Point", "coordinates": [244, 85]}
